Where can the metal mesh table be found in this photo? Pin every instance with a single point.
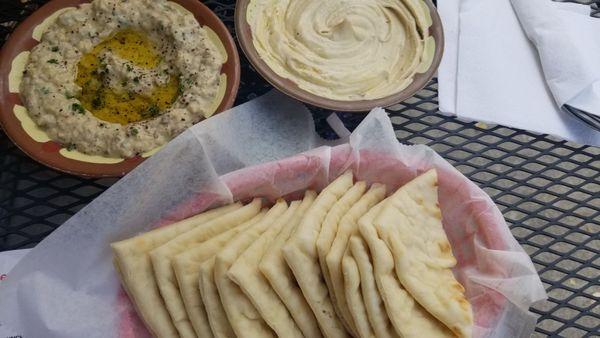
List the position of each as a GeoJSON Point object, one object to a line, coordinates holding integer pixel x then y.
{"type": "Point", "coordinates": [547, 189]}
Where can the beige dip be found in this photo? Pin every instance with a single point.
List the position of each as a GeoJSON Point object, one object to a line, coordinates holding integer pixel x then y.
{"type": "Point", "coordinates": [344, 49]}
{"type": "Point", "coordinates": [119, 78]}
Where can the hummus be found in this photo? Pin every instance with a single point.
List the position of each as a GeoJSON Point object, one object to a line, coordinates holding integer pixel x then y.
{"type": "Point", "coordinates": [118, 78]}
{"type": "Point", "coordinates": [343, 49]}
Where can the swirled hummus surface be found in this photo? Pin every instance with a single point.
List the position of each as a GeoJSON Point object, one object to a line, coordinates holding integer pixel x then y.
{"type": "Point", "coordinates": [344, 49]}
{"type": "Point", "coordinates": [119, 78]}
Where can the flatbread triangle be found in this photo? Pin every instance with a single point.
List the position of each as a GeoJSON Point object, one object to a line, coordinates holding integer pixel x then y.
{"type": "Point", "coordinates": [241, 313]}
{"type": "Point", "coordinates": [410, 223]}
{"type": "Point", "coordinates": [300, 253]}
{"type": "Point", "coordinates": [275, 269]}
{"type": "Point", "coordinates": [161, 258]}
{"type": "Point", "coordinates": [246, 274]}
{"type": "Point", "coordinates": [132, 262]}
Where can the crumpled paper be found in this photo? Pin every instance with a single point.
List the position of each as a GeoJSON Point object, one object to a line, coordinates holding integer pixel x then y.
{"type": "Point", "coordinates": [491, 72]}
{"type": "Point", "coordinates": [67, 287]}
{"type": "Point", "coordinates": [567, 40]}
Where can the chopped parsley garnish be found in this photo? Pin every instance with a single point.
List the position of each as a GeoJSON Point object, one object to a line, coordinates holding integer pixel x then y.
{"type": "Point", "coordinates": [69, 95]}
{"type": "Point", "coordinates": [133, 131]}
{"type": "Point", "coordinates": [152, 111]}
{"type": "Point", "coordinates": [76, 107]}
{"type": "Point", "coordinates": [124, 83]}
{"type": "Point", "coordinates": [136, 79]}
{"type": "Point", "coordinates": [54, 61]}
{"type": "Point", "coordinates": [129, 68]}
{"type": "Point", "coordinates": [54, 49]}
{"type": "Point", "coordinates": [180, 89]}
{"type": "Point", "coordinates": [45, 90]}
{"type": "Point", "coordinates": [70, 147]}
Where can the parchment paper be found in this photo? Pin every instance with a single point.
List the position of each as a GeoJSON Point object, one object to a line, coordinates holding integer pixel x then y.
{"type": "Point", "coordinates": [66, 286]}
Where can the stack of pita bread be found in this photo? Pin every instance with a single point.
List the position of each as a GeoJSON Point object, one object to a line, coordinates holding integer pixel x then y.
{"type": "Point", "coordinates": [348, 262]}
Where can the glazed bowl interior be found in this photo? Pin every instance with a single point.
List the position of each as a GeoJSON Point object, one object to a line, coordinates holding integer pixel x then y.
{"type": "Point", "coordinates": [48, 152]}
{"type": "Point", "coordinates": [244, 35]}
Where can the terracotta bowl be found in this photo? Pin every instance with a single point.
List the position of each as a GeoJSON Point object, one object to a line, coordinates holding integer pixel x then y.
{"type": "Point", "coordinates": [47, 152]}
{"type": "Point", "coordinates": [244, 35]}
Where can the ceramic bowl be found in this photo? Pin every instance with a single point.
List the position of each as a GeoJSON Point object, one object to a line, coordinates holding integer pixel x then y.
{"type": "Point", "coordinates": [51, 153]}
{"type": "Point", "coordinates": [244, 35]}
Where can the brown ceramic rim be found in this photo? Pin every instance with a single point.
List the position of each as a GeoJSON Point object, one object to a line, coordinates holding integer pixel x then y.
{"type": "Point", "coordinates": [47, 153]}
{"type": "Point", "coordinates": [244, 35]}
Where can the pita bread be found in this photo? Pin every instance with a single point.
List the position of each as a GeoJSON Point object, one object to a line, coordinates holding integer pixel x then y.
{"type": "Point", "coordinates": [330, 224]}
{"type": "Point", "coordinates": [409, 319]}
{"type": "Point", "coordinates": [300, 253]}
{"type": "Point", "coordinates": [281, 278]}
{"type": "Point", "coordinates": [135, 269]}
{"type": "Point", "coordinates": [354, 297]}
{"type": "Point", "coordinates": [376, 314]}
{"type": "Point", "coordinates": [217, 318]}
{"type": "Point", "coordinates": [245, 273]}
{"type": "Point", "coordinates": [161, 258]}
{"type": "Point", "coordinates": [186, 267]}
{"type": "Point", "coordinates": [243, 316]}
{"type": "Point", "coordinates": [333, 259]}
{"type": "Point", "coordinates": [411, 225]}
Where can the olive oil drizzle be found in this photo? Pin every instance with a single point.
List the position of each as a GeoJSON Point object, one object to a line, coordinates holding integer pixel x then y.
{"type": "Point", "coordinates": [119, 105]}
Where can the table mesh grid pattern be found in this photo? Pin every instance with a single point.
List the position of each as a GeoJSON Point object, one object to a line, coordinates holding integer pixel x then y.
{"type": "Point", "coordinates": [547, 189]}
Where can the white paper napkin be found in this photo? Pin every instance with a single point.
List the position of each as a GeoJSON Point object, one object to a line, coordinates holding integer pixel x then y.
{"type": "Point", "coordinates": [567, 39]}
{"type": "Point", "coordinates": [8, 259]}
{"type": "Point", "coordinates": [491, 72]}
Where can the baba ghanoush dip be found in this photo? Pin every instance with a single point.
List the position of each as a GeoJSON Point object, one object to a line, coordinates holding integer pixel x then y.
{"type": "Point", "coordinates": [344, 49]}
{"type": "Point", "coordinates": [121, 77]}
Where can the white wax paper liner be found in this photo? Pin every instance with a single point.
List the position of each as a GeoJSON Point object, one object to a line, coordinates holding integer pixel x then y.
{"type": "Point", "coordinates": [66, 286]}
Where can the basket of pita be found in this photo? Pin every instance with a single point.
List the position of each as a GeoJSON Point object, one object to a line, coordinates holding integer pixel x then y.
{"type": "Point", "coordinates": [363, 237]}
